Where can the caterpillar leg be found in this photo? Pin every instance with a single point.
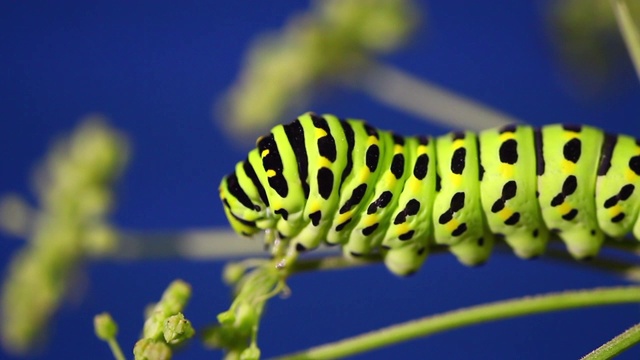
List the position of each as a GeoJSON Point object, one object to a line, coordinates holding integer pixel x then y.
{"type": "Point", "coordinates": [405, 260]}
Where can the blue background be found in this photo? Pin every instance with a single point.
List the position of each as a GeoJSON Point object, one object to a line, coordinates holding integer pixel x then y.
{"type": "Point", "coordinates": [155, 67]}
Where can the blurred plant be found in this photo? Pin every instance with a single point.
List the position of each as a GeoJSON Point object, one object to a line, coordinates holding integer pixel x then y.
{"type": "Point", "coordinates": [255, 282]}
{"type": "Point", "coordinates": [336, 43]}
{"type": "Point", "coordinates": [629, 29]}
{"type": "Point", "coordinates": [588, 40]}
{"type": "Point", "coordinates": [106, 329]}
{"type": "Point", "coordinates": [75, 195]}
{"type": "Point", "coordinates": [165, 327]}
{"type": "Point", "coordinates": [335, 38]}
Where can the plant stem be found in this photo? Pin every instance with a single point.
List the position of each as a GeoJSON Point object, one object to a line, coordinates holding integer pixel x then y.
{"type": "Point", "coordinates": [470, 316]}
{"type": "Point", "coordinates": [206, 244]}
{"type": "Point", "coordinates": [616, 345]}
{"type": "Point", "coordinates": [212, 244]}
{"type": "Point", "coordinates": [625, 270]}
{"type": "Point", "coordinates": [427, 100]}
{"type": "Point", "coordinates": [203, 244]}
{"type": "Point", "coordinates": [116, 350]}
{"type": "Point", "coordinates": [337, 262]}
{"type": "Point", "coordinates": [628, 30]}
{"type": "Point", "coordinates": [221, 244]}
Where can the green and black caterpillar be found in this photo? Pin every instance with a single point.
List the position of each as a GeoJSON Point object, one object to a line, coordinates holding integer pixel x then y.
{"type": "Point", "coordinates": [344, 182]}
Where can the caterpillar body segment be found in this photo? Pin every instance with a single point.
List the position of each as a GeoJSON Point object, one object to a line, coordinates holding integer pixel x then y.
{"type": "Point", "coordinates": [509, 188]}
{"type": "Point", "coordinates": [567, 186]}
{"type": "Point", "coordinates": [617, 186]}
{"type": "Point", "coordinates": [318, 163]}
{"type": "Point", "coordinates": [354, 215]}
{"type": "Point", "coordinates": [412, 215]}
{"type": "Point", "coordinates": [457, 213]}
{"type": "Point", "coordinates": [322, 179]}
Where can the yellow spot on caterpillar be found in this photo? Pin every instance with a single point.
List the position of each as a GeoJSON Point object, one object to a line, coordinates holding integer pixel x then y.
{"type": "Point", "coordinates": [324, 162]}
{"type": "Point", "coordinates": [315, 206]}
{"type": "Point", "coordinates": [413, 185]}
{"type": "Point", "coordinates": [452, 225]}
{"type": "Point", "coordinates": [271, 173]}
{"type": "Point", "coordinates": [506, 136]}
{"type": "Point", "coordinates": [397, 149]}
{"type": "Point", "coordinates": [276, 204]}
{"type": "Point", "coordinates": [320, 133]}
{"type": "Point", "coordinates": [630, 175]}
{"type": "Point", "coordinates": [570, 135]}
{"type": "Point", "coordinates": [344, 217]}
{"type": "Point", "coordinates": [505, 214]}
{"type": "Point", "coordinates": [363, 175]}
{"type": "Point", "coordinates": [506, 170]}
{"type": "Point", "coordinates": [564, 208]}
{"type": "Point", "coordinates": [264, 153]}
{"type": "Point", "coordinates": [615, 210]}
{"type": "Point", "coordinates": [370, 219]}
{"type": "Point", "coordinates": [568, 167]}
{"type": "Point", "coordinates": [456, 179]}
{"type": "Point", "coordinates": [401, 229]}
{"type": "Point", "coordinates": [458, 144]}
{"type": "Point", "coordinates": [389, 179]}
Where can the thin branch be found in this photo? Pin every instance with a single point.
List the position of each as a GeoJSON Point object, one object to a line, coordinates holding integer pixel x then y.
{"type": "Point", "coordinates": [629, 31]}
{"type": "Point", "coordinates": [335, 262]}
{"type": "Point", "coordinates": [626, 269]}
{"type": "Point", "coordinates": [222, 244]}
{"type": "Point", "coordinates": [427, 100]}
{"type": "Point", "coordinates": [469, 316]}
{"type": "Point", "coordinates": [116, 351]}
{"type": "Point", "coordinates": [616, 345]}
{"type": "Point", "coordinates": [207, 244]}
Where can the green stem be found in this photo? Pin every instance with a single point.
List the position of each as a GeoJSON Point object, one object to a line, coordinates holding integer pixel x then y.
{"type": "Point", "coordinates": [629, 31]}
{"type": "Point", "coordinates": [337, 262]}
{"type": "Point", "coordinates": [427, 100]}
{"type": "Point", "coordinates": [616, 345]}
{"type": "Point", "coordinates": [223, 244]}
{"type": "Point", "coordinates": [470, 316]}
{"type": "Point", "coordinates": [202, 244]}
{"type": "Point", "coordinates": [618, 266]}
{"type": "Point", "coordinates": [115, 349]}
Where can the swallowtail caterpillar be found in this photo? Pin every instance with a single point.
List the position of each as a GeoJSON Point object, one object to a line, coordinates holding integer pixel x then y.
{"type": "Point", "coordinates": [324, 179]}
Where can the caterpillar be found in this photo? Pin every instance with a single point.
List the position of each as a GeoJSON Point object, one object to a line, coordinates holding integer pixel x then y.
{"type": "Point", "coordinates": [344, 182]}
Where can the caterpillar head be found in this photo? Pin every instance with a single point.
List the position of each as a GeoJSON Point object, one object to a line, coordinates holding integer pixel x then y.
{"type": "Point", "coordinates": [243, 212]}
